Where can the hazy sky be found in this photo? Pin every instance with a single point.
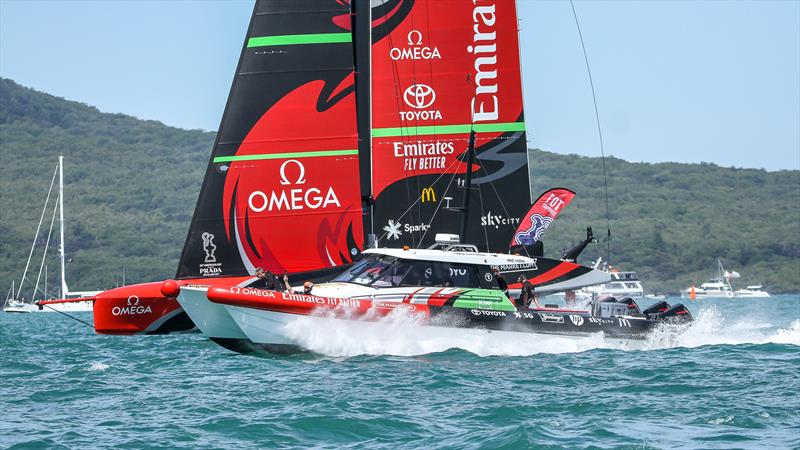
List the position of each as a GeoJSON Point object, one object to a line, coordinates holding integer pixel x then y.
{"type": "Point", "coordinates": [687, 81]}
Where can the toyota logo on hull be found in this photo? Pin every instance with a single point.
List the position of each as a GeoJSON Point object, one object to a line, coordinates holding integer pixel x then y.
{"type": "Point", "coordinates": [419, 96]}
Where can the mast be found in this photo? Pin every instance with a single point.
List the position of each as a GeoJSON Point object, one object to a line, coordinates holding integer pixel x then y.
{"type": "Point", "coordinates": [64, 290]}
{"type": "Point", "coordinates": [467, 185]}
{"type": "Point", "coordinates": [362, 23]}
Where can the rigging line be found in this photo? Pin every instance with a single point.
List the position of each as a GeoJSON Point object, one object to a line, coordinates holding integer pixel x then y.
{"type": "Point", "coordinates": [599, 131]}
{"type": "Point", "coordinates": [438, 206]}
{"type": "Point", "coordinates": [71, 317]}
{"type": "Point", "coordinates": [485, 230]}
{"type": "Point", "coordinates": [46, 245]}
{"type": "Point", "coordinates": [38, 227]}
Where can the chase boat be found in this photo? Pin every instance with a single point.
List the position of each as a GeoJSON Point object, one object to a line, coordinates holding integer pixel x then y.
{"type": "Point", "coordinates": [448, 285]}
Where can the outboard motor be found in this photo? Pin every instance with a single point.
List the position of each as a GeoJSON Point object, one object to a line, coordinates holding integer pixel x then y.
{"type": "Point", "coordinates": [657, 309]}
{"type": "Point", "coordinates": [677, 313]}
{"type": "Point", "coordinates": [633, 307]}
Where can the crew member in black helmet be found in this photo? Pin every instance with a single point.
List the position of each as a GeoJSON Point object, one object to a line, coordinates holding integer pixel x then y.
{"type": "Point", "coordinates": [265, 280]}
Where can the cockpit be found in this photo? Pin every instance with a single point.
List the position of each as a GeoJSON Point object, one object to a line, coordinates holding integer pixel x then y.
{"type": "Point", "coordinates": [381, 271]}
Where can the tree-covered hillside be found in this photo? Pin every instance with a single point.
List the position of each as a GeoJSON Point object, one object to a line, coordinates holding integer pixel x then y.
{"type": "Point", "coordinates": [131, 186]}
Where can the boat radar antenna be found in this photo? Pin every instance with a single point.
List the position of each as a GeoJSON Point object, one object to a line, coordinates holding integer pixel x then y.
{"type": "Point", "coordinates": [599, 132]}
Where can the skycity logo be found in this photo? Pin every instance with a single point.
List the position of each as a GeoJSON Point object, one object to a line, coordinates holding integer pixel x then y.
{"type": "Point", "coordinates": [415, 50]}
{"type": "Point", "coordinates": [292, 199]}
{"type": "Point", "coordinates": [496, 220]}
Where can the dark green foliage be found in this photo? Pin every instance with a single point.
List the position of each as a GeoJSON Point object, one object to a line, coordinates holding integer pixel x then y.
{"type": "Point", "coordinates": [131, 187]}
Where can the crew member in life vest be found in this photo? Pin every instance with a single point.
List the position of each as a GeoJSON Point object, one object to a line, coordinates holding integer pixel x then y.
{"type": "Point", "coordinates": [265, 280]}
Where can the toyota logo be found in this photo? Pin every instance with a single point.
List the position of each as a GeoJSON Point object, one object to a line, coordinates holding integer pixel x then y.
{"type": "Point", "coordinates": [419, 96]}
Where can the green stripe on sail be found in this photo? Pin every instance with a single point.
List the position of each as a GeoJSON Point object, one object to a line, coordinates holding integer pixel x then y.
{"type": "Point", "coordinates": [449, 129]}
{"type": "Point", "coordinates": [292, 39]}
{"type": "Point", "coordinates": [292, 155]}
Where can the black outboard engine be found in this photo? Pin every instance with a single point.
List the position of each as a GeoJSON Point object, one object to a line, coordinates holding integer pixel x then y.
{"type": "Point", "coordinates": [633, 307]}
{"type": "Point", "coordinates": [657, 309]}
{"type": "Point", "coordinates": [677, 313]}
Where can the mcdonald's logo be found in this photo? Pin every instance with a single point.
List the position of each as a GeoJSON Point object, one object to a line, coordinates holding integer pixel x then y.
{"type": "Point", "coordinates": [428, 195]}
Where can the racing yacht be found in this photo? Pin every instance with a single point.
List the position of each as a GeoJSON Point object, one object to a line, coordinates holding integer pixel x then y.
{"type": "Point", "coordinates": [449, 285]}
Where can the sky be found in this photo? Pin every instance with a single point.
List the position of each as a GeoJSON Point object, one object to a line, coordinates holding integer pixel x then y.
{"type": "Point", "coordinates": [686, 81]}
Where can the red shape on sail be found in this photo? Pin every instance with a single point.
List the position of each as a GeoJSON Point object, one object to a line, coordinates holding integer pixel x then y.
{"type": "Point", "coordinates": [297, 175]}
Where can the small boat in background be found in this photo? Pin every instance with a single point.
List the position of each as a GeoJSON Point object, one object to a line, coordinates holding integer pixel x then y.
{"type": "Point", "coordinates": [721, 286]}
{"type": "Point", "coordinates": [14, 300]}
{"type": "Point", "coordinates": [754, 290]}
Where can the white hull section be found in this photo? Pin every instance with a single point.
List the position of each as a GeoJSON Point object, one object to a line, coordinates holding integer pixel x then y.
{"type": "Point", "coordinates": [264, 327]}
{"type": "Point", "coordinates": [85, 306]}
{"type": "Point", "coordinates": [19, 307]}
{"type": "Point", "coordinates": [209, 317]}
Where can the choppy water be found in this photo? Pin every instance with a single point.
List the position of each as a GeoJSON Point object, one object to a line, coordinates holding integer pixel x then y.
{"type": "Point", "coordinates": [731, 381]}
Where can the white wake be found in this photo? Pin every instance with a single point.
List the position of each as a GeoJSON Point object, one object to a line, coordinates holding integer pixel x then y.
{"type": "Point", "coordinates": [402, 334]}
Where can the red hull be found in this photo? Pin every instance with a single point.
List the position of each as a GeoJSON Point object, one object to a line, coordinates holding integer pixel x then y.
{"type": "Point", "coordinates": [307, 304]}
{"type": "Point", "coordinates": [147, 308]}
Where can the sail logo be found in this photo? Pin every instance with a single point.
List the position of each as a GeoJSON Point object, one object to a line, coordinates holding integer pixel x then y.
{"type": "Point", "coordinates": [539, 224]}
{"type": "Point", "coordinates": [553, 204]}
{"type": "Point", "coordinates": [132, 308]}
{"type": "Point", "coordinates": [209, 248]}
{"type": "Point", "coordinates": [416, 50]}
{"type": "Point", "coordinates": [419, 96]}
{"type": "Point", "coordinates": [485, 105]}
{"type": "Point", "coordinates": [392, 230]}
{"type": "Point", "coordinates": [496, 220]}
{"type": "Point", "coordinates": [292, 173]}
{"type": "Point", "coordinates": [423, 155]}
{"type": "Point", "coordinates": [428, 195]}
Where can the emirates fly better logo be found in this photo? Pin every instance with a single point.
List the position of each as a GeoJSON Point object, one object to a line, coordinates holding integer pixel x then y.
{"type": "Point", "coordinates": [419, 96]}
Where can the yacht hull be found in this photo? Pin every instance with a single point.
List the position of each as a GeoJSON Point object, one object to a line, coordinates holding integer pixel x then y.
{"type": "Point", "coordinates": [212, 319]}
{"type": "Point", "coordinates": [264, 316]}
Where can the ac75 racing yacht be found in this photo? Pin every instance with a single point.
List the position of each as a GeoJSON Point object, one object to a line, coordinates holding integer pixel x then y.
{"type": "Point", "coordinates": [449, 285]}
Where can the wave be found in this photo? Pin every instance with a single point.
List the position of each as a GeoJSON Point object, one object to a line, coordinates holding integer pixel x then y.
{"type": "Point", "coordinates": [402, 334]}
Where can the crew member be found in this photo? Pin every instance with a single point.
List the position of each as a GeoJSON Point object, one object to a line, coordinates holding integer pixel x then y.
{"type": "Point", "coordinates": [527, 295]}
{"type": "Point", "coordinates": [307, 286]}
{"type": "Point", "coordinates": [265, 280]}
{"type": "Point", "coordinates": [501, 281]}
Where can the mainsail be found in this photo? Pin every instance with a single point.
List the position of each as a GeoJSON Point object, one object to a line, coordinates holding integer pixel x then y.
{"type": "Point", "coordinates": [281, 190]}
{"type": "Point", "coordinates": [443, 69]}
{"type": "Point", "coordinates": [342, 115]}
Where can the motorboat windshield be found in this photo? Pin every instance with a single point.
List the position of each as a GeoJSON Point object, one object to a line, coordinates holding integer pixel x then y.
{"type": "Point", "coordinates": [381, 271]}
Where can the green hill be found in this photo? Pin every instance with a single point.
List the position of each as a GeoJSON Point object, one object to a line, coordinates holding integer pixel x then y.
{"type": "Point", "coordinates": [131, 186]}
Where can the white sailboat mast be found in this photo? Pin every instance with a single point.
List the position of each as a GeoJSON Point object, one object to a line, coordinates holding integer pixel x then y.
{"type": "Point", "coordinates": [62, 256]}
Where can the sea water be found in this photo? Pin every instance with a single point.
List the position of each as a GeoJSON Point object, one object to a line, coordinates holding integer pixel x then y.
{"type": "Point", "coordinates": [730, 380]}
